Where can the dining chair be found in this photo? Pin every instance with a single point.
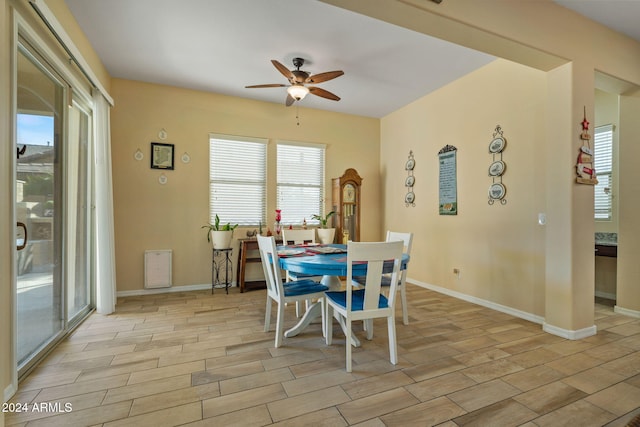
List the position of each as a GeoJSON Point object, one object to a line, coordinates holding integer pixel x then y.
{"type": "Point", "coordinates": [367, 303]}
{"type": "Point", "coordinates": [282, 293]}
{"type": "Point", "coordinates": [407, 239]}
{"type": "Point", "coordinates": [299, 237]}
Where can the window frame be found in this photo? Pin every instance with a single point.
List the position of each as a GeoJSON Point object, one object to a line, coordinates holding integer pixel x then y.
{"type": "Point", "coordinates": [244, 175]}
{"type": "Point", "coordinates": [283, 182]}
{"type": "Point", "coordinates": [603, 200]}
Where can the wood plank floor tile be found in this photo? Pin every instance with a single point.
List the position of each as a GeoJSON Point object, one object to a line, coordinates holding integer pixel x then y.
{"type": "Point", "coordinates": [147, 388]}
{"type": "Point", "coordinates": [431, 413]}
{"type": "Point", "coordinates": [593, 380]}
{"type": "Point", "coordinates": [246, 382]}
{"type": "Point", "coordinates": [440, 386]}
{"type": "Point", "coordinates": [242, 400]}
{"type": "Point", "coordinates": [552, 396]}
{"type": "Point", "coordinates": [165, 417]}
{"type": "Point", "coordinates": [319, 381]}
{"type": "Point", "coordinates": [168, 399]}
{"type": "Point", "coordinates": [376, 405]}
{"type": "Point", "coordinates": [506, 413]}
{"type": "Point", "coordinates": [376, 384]}
{"type": "Point", "coordinates": [485, 394]}
{"type": "Point", "coordinates": [299, 405]}
{"type": "Point", "coordinates": [618, 399]}
{"type": "Point", "coordinates": [580, 413]}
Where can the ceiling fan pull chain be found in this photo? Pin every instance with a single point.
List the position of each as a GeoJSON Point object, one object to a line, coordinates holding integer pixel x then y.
{"type": "Point", "coordinates": [297, 116]}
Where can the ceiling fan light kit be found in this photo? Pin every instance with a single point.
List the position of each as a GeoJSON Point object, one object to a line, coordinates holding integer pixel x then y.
{"type": "Point", "coordinates": [297, 90]}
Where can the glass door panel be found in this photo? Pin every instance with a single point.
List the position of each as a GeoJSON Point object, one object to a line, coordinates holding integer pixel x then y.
{"type": "Point", "coordinates": [40, 107]}
{"type": "Point", "coordinates": [78, 217]}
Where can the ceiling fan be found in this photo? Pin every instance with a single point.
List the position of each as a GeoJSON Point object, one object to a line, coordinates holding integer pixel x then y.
{"type": "Point", "coordinates": [297, 90]}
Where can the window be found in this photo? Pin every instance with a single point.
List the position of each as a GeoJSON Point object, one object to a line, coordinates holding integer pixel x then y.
{"type": "Point", "coordinates": [237, 179]}
{"type": "Point", "coordinates": [603, 164]}
{"type": "Point", "coordinates": [300, 181]}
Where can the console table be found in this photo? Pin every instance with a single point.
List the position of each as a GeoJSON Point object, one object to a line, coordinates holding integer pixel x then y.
{"type": "Point", "coordinates": [248, 253]}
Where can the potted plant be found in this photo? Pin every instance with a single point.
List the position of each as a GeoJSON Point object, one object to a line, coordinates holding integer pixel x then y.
{"type": "Point", "coordinates": [325, 235]}
{"type": "Point", "coordinates": [220, 235]}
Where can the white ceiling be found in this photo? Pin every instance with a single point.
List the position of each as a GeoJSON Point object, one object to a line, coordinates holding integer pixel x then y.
{"type": "Point", "coordinates": [223, 45]}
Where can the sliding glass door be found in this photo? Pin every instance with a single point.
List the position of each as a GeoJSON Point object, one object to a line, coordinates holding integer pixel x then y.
{"type": "Point", "coordinates": [39, 204]}
{"type": "Point", "coordinates": [53, 198]}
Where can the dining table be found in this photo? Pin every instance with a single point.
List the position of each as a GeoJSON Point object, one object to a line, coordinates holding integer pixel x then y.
{"type": "Point", "coordinates": [328, 261]}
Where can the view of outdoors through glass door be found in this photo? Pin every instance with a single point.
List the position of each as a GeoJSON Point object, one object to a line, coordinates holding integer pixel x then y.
{"type": "Point", "coordinates": [39, 183]}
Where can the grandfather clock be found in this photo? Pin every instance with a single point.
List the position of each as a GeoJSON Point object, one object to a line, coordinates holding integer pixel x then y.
{"type": "Point", "coordinates": [346, 204]}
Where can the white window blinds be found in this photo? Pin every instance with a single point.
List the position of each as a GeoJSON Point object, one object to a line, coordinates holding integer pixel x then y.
{"type": "Point", "coordinates": [300, 181]}
{"type": "Point", "coordinates": [237, 179]}
{"type": "Point", "coordinates": [603, 164]}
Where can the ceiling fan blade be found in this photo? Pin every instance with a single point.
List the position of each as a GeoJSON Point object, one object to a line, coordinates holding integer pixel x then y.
{"type": "Point", "coordinates": [289, 101]}
{"type": "Point", "coordinates": [323, 93]}
{"type": "Point", "coordinates": [283, 70]}
{"type": "Point", "coordinates": [267, 85]}
{"type": "Point", "coordinates": [323, 77]}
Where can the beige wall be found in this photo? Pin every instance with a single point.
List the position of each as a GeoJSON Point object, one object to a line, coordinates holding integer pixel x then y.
{"type": "Point", "coordinates": [628, 288]}
{"type": "Point", "coordinates": [153, 216]}
{"type": "Point", "coordinates": [499, 249]}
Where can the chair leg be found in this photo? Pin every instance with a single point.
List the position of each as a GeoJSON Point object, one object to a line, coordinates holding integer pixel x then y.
{"type": "Point", "coordinates": [368, 326]}
{"type": "Point", "coordinates": [347, 344]}
{"type": "Point", "coordinates": [279, 325]}
{"type": "Point", "coordinates": [393, 348]}
{"type": "Point", "coordinates": [298, 311]}
{"type": "Point", "coordinates": [405, 309]}
{"type": "Point", "coordinates": [267, 315]}
{"type": "Point", "coordinates": [328, 322]}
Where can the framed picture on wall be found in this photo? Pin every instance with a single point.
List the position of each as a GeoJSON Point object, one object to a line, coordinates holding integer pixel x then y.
{"type": "Point", "coordinates": [162, 156]}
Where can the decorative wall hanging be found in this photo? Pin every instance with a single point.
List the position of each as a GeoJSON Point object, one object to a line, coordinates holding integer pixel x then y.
{"type": "Point", "coordinates": [138, 155]}
{"type": "Point", "coordinates": [448, 185]}
{"type": "Point", "coordinates": [161, 156]}
{"type": "Point", "coordinates": [410, 197]}
{"type": "Point", "coordinates": [584, 165]}
{"type": "Point", "coordinates": [497, 168]}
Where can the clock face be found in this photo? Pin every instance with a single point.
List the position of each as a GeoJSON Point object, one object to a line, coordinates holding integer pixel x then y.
{"type": "Point", "coordinates": [349, 193]}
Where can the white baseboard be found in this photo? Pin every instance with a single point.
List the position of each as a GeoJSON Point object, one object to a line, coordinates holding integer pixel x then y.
{"type": "Point", "coordinates": [185, 288]}
{"type": "Point", "coordinates": [489, 304]}
{"type": "Point", "coordinates": [605, 295]}
{"type": "Point", "coordinates": [9, 392]}
{"type": "Point", "coordinates": [564, 333]}
{"type": "Point", "coordinates": [569, 334]}
{"type": "Point", "coordinates": [626, 311]}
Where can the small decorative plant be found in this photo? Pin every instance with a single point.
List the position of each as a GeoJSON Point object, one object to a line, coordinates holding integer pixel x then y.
{"type": "Point", "coordinates": [217, 227]}
{"type": "Point", "coordinates": [323, 219]}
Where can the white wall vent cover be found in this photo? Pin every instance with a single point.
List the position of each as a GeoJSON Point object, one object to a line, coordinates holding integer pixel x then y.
{"type": "Point", "coordinates": [157, 269]}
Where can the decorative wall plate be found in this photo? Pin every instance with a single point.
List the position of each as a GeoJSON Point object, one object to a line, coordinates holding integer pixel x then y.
{"type": "Point", "coordinates": [497, 191]}
{"type": "Point", "coordinates": [138, 155]}
{"type": "Point", "coordinates": [410, 164]}
{"type": "Point", "coordinates": [162, 179]}
{"type": "Point", "coordinates": [186, 158]}
{"type": "Point", "coordinates": [410, 197]}
{"type": "Point", "coordinates": [497, 145]}
{"type": "Point", "coordinates": [409, 181]}
{"type": "Point", "coordinates": [497, 168]}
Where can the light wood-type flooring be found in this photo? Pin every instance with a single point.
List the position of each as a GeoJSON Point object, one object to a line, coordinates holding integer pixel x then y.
{"type": "Point", "coordinates": [197, 359]}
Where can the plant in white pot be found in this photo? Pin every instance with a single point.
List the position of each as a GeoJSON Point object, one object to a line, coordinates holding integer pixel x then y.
{"type": "Point", "coordinates": [325, 235]}
{"type": "Point", "coordinates": [220, 235]}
